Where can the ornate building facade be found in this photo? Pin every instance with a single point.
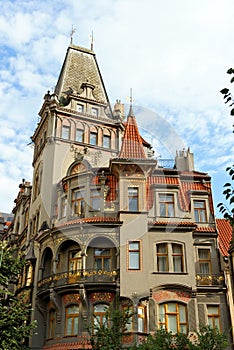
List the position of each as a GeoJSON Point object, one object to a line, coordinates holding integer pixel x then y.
{"type": "Point", "coordinates": [103, 220]}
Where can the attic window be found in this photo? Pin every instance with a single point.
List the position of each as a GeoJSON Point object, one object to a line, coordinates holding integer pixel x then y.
{"type": "Point", "coordinates": [80, 108]}
{"type": "Point", "coordinates": [94, 112]}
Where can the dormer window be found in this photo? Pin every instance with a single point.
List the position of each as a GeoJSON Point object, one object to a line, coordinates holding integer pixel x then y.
{"type": "Point", "coordinates": [94, 112]}
{"type": "Point", "coordinates": [80, 108]}
{"type": "Point", "coordinates": [166, 203]}
{"type": "Point", "coordinates": [200, 211]}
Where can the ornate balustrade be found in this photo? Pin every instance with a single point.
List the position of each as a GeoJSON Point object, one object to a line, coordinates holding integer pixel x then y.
{"type": "Point", "coordinates": [210, 279]}
{"type": "Point", "coordinates": [78, 276]}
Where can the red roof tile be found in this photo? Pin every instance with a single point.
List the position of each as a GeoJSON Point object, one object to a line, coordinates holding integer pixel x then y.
{"type": "Point", "coordinates": [205, 229]}
{"type": "Point", "coordinates": [172, 223]}
{"type": "Point", "coordinates": [132, 147]}
{"type": "Point", "coordinates": [90, 220]}
{"type": "Point", "coordinates": [224, 235]}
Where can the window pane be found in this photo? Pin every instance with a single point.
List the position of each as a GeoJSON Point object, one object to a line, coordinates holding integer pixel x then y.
{"type": "Point", "coordinates": [172, 324]}
{"type": "Point", "coordinates": [162, 264]}
{"type": "Point", "coordinates": [213, 310]}
{"type": "Point", "coordinates": [75, 325]}
{"type": "Point", "coordinates": [93, 138]}
{"type": "Point", "coordinates": [183, 328]}
{"type": "Point", "coordinates": [134, 245]}
{"type": "Point", "coordinates": [73, 310]}
{"type": "Point", "coordinates": [182, 312]}
{"type": "Point", "coordinates": [79, 135]}
{"type": "Point", "coordinates": [80, 108]}
{"type": "Point", "coordinates": [133, 198]}
{"type": "Point", "coordinates": [171, 307]}
{"type": "Point", "coordinates": [106, 141]}
{"type": "Point", "coordinates": [140, 324]}
{"type": "Point", "coordinates": [161, 313]}
{"type": "Point", "coordinates": [66, 132]}
{"type": "Point", "coordinates": [134, 262]}
{"type": "Point", "coordinates": [69, 326]}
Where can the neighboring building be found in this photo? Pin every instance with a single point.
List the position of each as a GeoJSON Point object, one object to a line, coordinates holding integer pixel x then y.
{"type": "Point", "coordinates": [5, 222]}
{"type": "Point", "coordinates": [225, 236]}
{"type": "Point", "coordinates": [104, 220]}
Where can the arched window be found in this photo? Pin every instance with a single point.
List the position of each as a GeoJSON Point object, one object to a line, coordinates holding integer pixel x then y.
{"type": "Point", "coordinates": [172, 317]}
{"type": "Point", "coordinates": [100, 315]}
{"type": "Point", "coordinates": [72, 315]}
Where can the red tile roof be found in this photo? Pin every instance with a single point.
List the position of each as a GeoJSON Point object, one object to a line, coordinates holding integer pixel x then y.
{"type": "Point", "coordinates": [224, 235]}
{"type": "Point", "coordinates": [92, 220]}
{"type": "Point", "coordinates": [173, 223]}
{"type": "Point", "coordinates": [184, 189]}
{"type": "Point", "coordinates": [132, 146]}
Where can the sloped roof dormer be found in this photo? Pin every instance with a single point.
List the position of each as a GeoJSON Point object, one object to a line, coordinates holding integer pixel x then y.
{"type": "Point", "coordinates": [132, 146]}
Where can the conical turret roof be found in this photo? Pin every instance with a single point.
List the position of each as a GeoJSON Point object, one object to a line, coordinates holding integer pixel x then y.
{"type": "Point", "coordinates": [132, 147]}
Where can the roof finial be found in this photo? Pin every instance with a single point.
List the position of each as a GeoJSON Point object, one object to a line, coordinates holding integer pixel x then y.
{"type": "Point", "coordinates": [73, 30]}
{"type": "Point", "coordinates": [91, 38]}
{"type": "Point", "coordinates": [130, 98]}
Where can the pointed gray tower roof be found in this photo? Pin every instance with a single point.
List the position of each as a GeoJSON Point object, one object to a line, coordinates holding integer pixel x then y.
{"type": "Point", "coordinates": [80, 68]}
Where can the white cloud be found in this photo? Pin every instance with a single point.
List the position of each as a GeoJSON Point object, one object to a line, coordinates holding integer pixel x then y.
{"type": "Point", "coordinates": [174, 54]}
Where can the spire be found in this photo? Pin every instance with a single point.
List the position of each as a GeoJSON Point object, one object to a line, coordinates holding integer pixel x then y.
{"type": "Point", "coordinates": [132, 146]}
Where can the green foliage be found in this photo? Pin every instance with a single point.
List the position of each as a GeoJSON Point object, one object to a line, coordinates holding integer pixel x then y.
{"type": "Point", "coordinates": [228, 192]}
{"type": "Point", "coordinates": [228, 98]}
{"type": "Point", "coordinates": [206, 339]}
{"type": "Point", "coordinates": [14, 310]}
{"type": "Point", "coordinates": [108, 334]}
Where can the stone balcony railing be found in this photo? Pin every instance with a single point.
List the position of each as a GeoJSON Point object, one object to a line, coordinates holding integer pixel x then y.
{"type": "Point", "coordinates": [210, 279]}
{"type": "Point", "coordinates": [78, 276]}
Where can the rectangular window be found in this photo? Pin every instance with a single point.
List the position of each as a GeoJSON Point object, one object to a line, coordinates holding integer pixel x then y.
{"type": "Point", "coordinates": [80, 108]}
{"type": "Point", "coordinates": [79, 135]}
{"type": "Point", "coordinates": [204, 261]}
{"type": "Point", "coordinates": [106, 141]}
{"type": "Point", "coordinates": [213, 316]}
{"type": "Point", "coordinates": [66, 132]}
{"type": "Point", "coordinates": [166, 205]}
{"type": "Point", "coordinates": [93, 138]}
{"type": "Point", "coordinates": [102, 258]}
{"type": "Point", "coordinates": [200, 211]}
{"type": "Point", "coordinates": [96, 199]}
{"type": "Point", "coordinates": [78, 203]}
{"type": "Point", "coordinates": [133, 198]}
{"type": "Point", "coordinates": [94, 112]}
{"type": "Point", "coordinates": [134, 255]}
{"type": "Point", "coordinates": [170, 257]}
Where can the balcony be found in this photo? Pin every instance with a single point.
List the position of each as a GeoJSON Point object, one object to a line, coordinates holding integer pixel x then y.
{"type": "Point", "coordinates": [78, 277]}
{"type": "Point", "coordinates": [210, 280]}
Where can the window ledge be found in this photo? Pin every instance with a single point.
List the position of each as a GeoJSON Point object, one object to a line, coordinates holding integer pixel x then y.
{"type": "Point", "coordinates": [169, 273]}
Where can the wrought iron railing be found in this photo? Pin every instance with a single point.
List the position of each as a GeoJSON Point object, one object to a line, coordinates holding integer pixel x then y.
{"type": "Point", "coordinates": [78, 276]}
{"type": "Point", "coordinates": [210, 279]}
